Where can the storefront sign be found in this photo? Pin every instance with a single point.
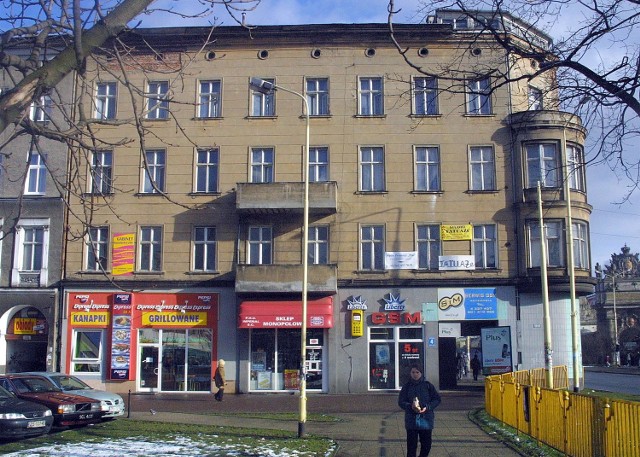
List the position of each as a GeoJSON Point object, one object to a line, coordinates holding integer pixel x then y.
{"type": "Point", "coordinates": [496, 350]}
{"type": "Point", "coordinates": [394, 303]}
{"type": "Point", "coordinates": [357, 318]}
{"type": "Point", "coordinates": [123, 254]}
{"type": "Point", "coordinates": [90, 319]}
{"type": "Point", "coordinates": [401, 260]}
{"type": "Point", "coordinates": [24, 326]}
{"type": "Point", "coordinates": [179, 319]}
{"type": "Point", "coordinates": [456, 263]}
{"type": "Point", "coordinates": [356, 303]}
{"type": "Point", "coordinates": [456, 232]}
{"type": "Point", "coordinates": [121, 337]}
{"type": "Point", "coordinates": [467, 304]}
{"type": "Point", "coordinates": [286, 314]}
{"type": "Point", "coordinates": [449, 329]}
{"type": "Point", "coordinates": [396, 318]}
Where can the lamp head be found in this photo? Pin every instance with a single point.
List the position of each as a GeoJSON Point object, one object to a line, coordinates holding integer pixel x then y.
{"type": "Point", "coordinates": [262, 86]}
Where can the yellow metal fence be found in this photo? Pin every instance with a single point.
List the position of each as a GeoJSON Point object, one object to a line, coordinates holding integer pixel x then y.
{"type": "Point", "coordinates": [576, 424]}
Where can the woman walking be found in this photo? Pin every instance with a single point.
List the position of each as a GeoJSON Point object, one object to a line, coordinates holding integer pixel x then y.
{"type": "Point", "coordinates": [418, 397]}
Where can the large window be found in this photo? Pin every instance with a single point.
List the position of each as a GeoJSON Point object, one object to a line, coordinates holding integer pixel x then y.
{"type": "Point", "coordinates": [41, 109]}
{"type": "Point", "coordinates": [263, 104]}
{"type": "Point", "coordinates": [543, 165]}
{"type": "Point", "coordinates": [427, 173]}
{"type": "Point", "coordinates": [482, 168]}
{"type": "Point", "coordinates": [101, 172]}
{"type": "Point", "coordinates": [204, 248]}
{"type": "Point", "coordinates": [31, 252]}
{"type": "Point", "coordinates": [207, 170]}
{"type": "Point", "coordinates": [392, 350]}
{"type": "Point", "coordinates": [210, 99]}
{"type": "Point", "coordinates": [318, 245]}
{"type": "Point", "coordinates": [36, 181]}
{"type": "Point", "coordinates": [87, 351]}
{"type": "Point", "coordinates": [575, 168]}
{"type": "Point", "coordinates": [262, 165]}
{"type": "Point", "coordinates": [260, 246]}
{"type": "Point", "coordinates": [97, 249]}
{"type": "Point", "coordinates": [479, 97]}
{"type": "Point", "coordinates": [580, 245]}
{"type": "Point", "coordinates": [154, 171]}
{"type": "Point", "coordinates": [485, 245]}
{"type": "Point", "coordinates": [425, 96]}
{"type": "Point", "coordinates": [150, 249]}
{"type": "Point", "coordinates": [106, 100]}
{"type": "Point", "coordinates": [318, 164]}
{"type": "Point", "coordinates": [428, 241]}
{"type": "Point", "coordinates": [157, 100]}
{"type": "Point", "coordinates": [372, 169]}
{"type": "Point", "coordinates": [372, 247]}
{"type": "Point", "coordinates": [318, 96]}
{"type": "Point", "coordinates": [553, 240]}
{"type": "Point", "coordinates": [371, 97]}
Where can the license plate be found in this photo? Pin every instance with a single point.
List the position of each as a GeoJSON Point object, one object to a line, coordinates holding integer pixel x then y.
{"type": "Point", "coordinates": [86, 416]}
{"type": "Point", "coordinates": [36, 424]}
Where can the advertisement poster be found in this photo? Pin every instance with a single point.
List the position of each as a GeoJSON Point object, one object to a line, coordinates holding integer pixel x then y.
{"type": "Point", "coordinates": [123, 254]}
{"type": "Point", "coordinates": [121, 337]}
{"type": "Point", "coordinates": [457, 304]}
{"type": "Point", "coordinates": [496, 350]}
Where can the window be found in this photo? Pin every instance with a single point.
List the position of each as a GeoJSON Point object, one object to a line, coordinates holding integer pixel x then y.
{"type": "Point", "coordinates": [31, 252]}
{"type": "Point", "coordinates": [154, 172]}
{"type": "Point", "coordinates": [106, 100]}
{"type": "Point", "coordinates": [428, 239]}
{"type": "Point", "coordinates": [372, 169]}
{"type": "Point", "coordinates": [150, 249]}
{"type": "Point", "coordinates": [575, 168]}
{"type": "Point", "coordinates": [372, 247]}
{"type": "Point", "coordinates": [86, 351]}
{"type": "Point", "coordinates": [101, 172]}
{"type": "Point", "coordinates": [36, 181]}
{"type": "Point", "coordinates": [319, 245]}
{"type": "Point", "coordinates": [204, 248]}
{"type": "Point", "coordinates": [543, 165]}
{"type": "Point", "coordinates": [425, 96]}
{"type": "Point", "coordinates": [207, 161]}
{"type": "Point", "coordinates": [535, 98]}
{"type": "Point", "coordinates": [97, 249]}
{"type": "Point", "coordinates": [553, 240]}
{"type": "Point", "coordinates": [318, 164]}
{"type": "Point", "coordinates": [318, 96]}
{"type": "Point", "coordinates": [580, 245]}
{"type": "Point", "coordinates": [259, 249]}
{"type": "Point", "coordinates": [263, 104]}
{"type": "Point", "coordinates": [157, 100]}
{"type": "Point", "coordinates": [40, 110]}
{"type": "Point", "coordinates": [479, 97]}
{"type": "Point", "coordinates": [427, 173]}
{"type": "Point", "coordinates": [262, 165]}
{"type": "Point", "coordinates": [484, 246]}
{"type": "Point", "coordinates": [210, 99]}
{"type": "Point", "coordinates": [483, 168]}
{"type": "Point", "coordinates": [371, 97]}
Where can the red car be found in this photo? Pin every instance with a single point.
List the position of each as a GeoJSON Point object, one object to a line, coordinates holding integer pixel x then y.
{"type": "Point", "coordinates": [67, 409]}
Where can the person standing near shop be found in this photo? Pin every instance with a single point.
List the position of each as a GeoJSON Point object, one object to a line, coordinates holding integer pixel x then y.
{"type": "Point", "coordinates": [475, 366]}
{"type": "Point", "coordinates": [219, 379]}
{"type": "Point", "coordinates": [419, 398]}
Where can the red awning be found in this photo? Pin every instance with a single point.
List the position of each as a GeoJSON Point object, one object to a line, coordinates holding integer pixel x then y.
{"type": "Point", "coordinates": [286, 314]}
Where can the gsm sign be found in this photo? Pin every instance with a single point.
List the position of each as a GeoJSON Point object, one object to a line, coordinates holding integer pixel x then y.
{"type": "Point", "coordinates": [395, 318]}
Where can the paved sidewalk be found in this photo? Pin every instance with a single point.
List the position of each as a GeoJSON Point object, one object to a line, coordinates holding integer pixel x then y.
{"type": "Point", "coordinates": [372, 424]}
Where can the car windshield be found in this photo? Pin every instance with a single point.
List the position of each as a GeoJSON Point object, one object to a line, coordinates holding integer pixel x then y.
{"type": "Point", "coordinates": [69, 383]}
{"type": "Point", "coordinates": [34, 384]}
{"type": "Point", "coordinates": [4, 394]}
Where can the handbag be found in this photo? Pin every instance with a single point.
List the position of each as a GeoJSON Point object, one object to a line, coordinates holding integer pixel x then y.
{"type": "Point", "coordinates": [422, 423]}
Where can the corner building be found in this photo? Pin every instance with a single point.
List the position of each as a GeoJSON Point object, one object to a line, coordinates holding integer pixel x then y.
{"type": "Point", "coordinates": [423, 221]}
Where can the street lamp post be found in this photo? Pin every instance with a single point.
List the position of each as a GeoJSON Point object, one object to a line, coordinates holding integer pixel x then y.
{"type": "Point", "coordinates": [267, 87]}
{"type": "Point", "coordinates": [616, 353]}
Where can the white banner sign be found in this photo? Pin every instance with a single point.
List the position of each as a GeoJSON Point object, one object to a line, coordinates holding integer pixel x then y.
{"type": "Point", "coordinates": [456, 262]}
{"type": "Point", "coordinates": [401, 260]}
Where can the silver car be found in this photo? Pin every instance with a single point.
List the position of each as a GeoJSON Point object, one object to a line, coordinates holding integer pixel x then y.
{"type": "Point", "coordinates": [112, 403]}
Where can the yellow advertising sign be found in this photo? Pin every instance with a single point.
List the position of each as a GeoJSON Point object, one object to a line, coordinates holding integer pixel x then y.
{"type": "Point", "coordinates": [174, 319]}
{"type": "Point", "coordinates": [24, 326]}
{"type": "Point", "coordinates": [456, 232]}
{"type": "Point", "coordinates": [357, 322]}
{"type": "Point", "coordinates": [123, 254]}
{"type": "Point", "coordinates": [90, 319]}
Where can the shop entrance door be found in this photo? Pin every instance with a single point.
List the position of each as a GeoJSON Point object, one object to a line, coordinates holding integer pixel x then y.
{"type": "Point", "coordinates": [148, 368]}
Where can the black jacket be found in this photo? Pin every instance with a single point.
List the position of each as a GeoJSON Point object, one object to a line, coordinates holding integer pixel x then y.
{"type": "Point", "coordinates": [427, 395]}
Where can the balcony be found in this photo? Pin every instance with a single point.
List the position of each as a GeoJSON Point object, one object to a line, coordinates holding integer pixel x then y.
{"type": "Point", "coordinates": [286, 197]}
{"type": "Point", "coordinates": [285, 279]}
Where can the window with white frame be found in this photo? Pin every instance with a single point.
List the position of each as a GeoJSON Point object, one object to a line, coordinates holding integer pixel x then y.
{"type": "Point", "coordinates": [543, 165]}
{"type": "Point", "coordinates": [580, 245]}
{"type": "Point", "coordinates": [425, 96]}
{"type": "Point", "coordinates": [318, 245]}
{"type": "Point", "coordinates": [153, 171]}
{"type": "Point", "coordinates": [575, 168]}
{"type": "Point", "coordinates": [485, 246]}
{"type": "Point", "coordinates": [260, 246]}
{"type": "Point", "coordinates": [318, 96]}
{"type": "Point", "coordinates": [482, 168]}
{"type": "Point", "coordinates": [36, 181]}
{"type": "Point", "coordinates": [262, 165]}
{"type": "Point", "coordinates": [41, 109]}
{"type": "Point", "coordinates": [158, 100]}
{"type": "Point", "coordinates": [87, 351]}
{"type": "Point", "coordinates": [479, 97]}
{"type": "Point", "coordinates": [372, 247]}
{"type": "Point", "coordinates": [428, 241]}
{"type": "Point", "coordinates": [97, 244]}
{"type": "Point", "coordinates": [535, 98]}
{"type": "Point", "coordinates": [318, 164]}
{"type": "Point", "coordinates": [263, 104]}
{"type": "Point", "coordinates": [207, 168]}
{"type": "Point", "coordinates": [553, 236]}
{"type": "Point", "coordinates": [100, 172]}
{"type": "Point", "coordinates": [427, 171]}
{"type": "Point", "coordinates": [210, 99]}
{"type": "Point", "coordinates": [204, 248]}
{"type": "Point", "coordinates": [150, 249]}
{"type": "Point", "coordinates": [372, 169]}
{"type": "Point", "coordinates": [371, 96]}
{"type": "Point", "coordinates": [31, 252]}
{"type": "Point", "coordinates": [106, 100]}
